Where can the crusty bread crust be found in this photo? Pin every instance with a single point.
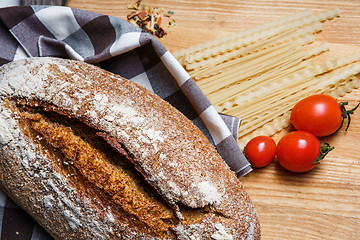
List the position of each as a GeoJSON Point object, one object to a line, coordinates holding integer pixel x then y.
{"type": "Point", "coordinates": [175, 160]}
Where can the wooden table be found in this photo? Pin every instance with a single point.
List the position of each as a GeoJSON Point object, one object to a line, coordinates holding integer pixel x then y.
{"type": "Point", "coordinates": [323, 203]}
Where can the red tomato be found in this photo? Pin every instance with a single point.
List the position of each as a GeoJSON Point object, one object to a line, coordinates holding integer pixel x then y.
{"type": "Point", "coordinates": [298, 151]}
{"type": "Point", "coordinates": [260, 151]}
{"type": "Point", "coordinates": [319, 114]}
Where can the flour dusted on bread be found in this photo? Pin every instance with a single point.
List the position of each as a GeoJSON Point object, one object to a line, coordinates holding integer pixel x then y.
{"type": "Point", "coordinates": [106, 158]}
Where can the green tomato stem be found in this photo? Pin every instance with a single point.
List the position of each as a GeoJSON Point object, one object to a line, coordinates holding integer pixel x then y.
{"type": "Point", "coordinates": [346, 114]}
{"type": "Point", "coordinates": [325, 148]}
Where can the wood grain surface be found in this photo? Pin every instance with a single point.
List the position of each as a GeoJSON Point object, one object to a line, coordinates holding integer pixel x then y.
{"type": "Point", "coordinates": [325, 202]}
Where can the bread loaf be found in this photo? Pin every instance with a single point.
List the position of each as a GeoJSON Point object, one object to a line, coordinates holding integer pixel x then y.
{"type": "Point", "coordinates": [90, 155]}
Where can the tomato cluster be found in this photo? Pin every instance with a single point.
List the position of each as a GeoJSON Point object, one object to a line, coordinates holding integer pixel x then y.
{"type": "Point", "coordinates": [300, 151]}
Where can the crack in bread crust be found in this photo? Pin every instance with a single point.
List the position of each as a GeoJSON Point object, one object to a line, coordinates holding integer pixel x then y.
{"type": "Point", "coordinates": [108, 175]}
{"type": "Point", "coordinates": [125, 190]}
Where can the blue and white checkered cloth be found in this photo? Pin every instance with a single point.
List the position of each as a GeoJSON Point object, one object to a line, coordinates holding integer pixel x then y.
{"type": "Point", "coordinates": [119, 47]}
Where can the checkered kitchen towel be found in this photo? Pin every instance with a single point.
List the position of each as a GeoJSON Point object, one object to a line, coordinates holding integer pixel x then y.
{"type": "Point", "coordinates": [117, 46]}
